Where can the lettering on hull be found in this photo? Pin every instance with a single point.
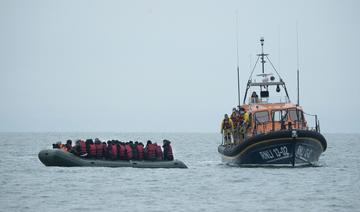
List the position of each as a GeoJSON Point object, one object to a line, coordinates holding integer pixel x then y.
{"type": "Point", "coordinates": [303, 152]}
{"type": "Point", "coordinates": [274, 153]}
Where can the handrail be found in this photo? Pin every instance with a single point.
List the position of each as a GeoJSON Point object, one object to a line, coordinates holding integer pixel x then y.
{"type": "Point", "coordinates": [317, 122]}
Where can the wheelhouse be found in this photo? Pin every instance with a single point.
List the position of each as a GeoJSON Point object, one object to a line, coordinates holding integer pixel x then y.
{"type": "Point", "coordinates": [269, 118]}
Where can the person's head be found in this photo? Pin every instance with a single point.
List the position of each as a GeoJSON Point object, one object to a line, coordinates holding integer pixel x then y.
{"type": "Point", "coordinates": [69, 142]}
{"type": "Point", "coordinates": [226, 116]}
{"type": "Point", "coordinates": [165, 141]}
{"type": "Point", "coordinates": [234, 109]}
{"type": "Point", "coordinates": [148, 142]}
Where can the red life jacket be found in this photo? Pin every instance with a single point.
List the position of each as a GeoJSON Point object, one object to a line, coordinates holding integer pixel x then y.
{"type": "Point", "coordinates": [129, 153]}
{"type": "Point", "coordinates": [151, 152]}
{"type": "Point", "coordinates": [168, 153]}
{"type": "Point", "coordinates": [82, 147]}
{"type": "Point", "coordinates": [113, 154]}
{"type": "Point", "coordinates": [92, 150]}
{"type": "Point", "coordinates": [99, 150]}
{"type": "Point", "coordinates": [140, 149]}
{"type": "Point", "coordinates": [122, 151]}
{"type": "Point", "coordinates": [158, 153]}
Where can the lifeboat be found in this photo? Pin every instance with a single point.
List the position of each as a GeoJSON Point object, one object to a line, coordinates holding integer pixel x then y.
{"type": "Point", "coordinates": [60, 157]}
{"type": "Point", "coordinates": [277, 132]}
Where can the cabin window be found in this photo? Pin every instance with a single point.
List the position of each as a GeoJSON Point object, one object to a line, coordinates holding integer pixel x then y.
{"type": "Point", "coordinates": [279, 115]}
{"type": "Point", "coordinates": [294, 117]}
{"type": "Point", "coordinates": [261, 117]}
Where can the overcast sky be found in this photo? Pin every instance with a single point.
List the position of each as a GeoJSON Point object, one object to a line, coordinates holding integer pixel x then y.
{"type": "Point", "coordinates": [169, 66]}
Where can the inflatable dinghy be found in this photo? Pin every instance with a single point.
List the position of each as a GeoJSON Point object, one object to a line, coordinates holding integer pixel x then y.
{"type": "Point", "coordinates": [58, 157]}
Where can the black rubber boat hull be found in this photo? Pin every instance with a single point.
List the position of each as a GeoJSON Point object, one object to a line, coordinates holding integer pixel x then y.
{"type": "Point", "coordinates": [280, 148]}
{"type": "Point", "coordinates": [57, 157]}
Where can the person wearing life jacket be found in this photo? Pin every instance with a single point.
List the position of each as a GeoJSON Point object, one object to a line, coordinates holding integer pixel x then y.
{"type": "Point", "coordinates": [82, 148]}
{"type": "Point", "coordinates": [235, 117]}
{"type": "Point", "coordinates": [63, 147]}
{"type": "Point", "coordinates": [57, 145]}
{"type": "Point", "coordinates": [76, 148]}
{"type": "Point", "coordinates": [99, 148]}
{"type": "Point", "coordinates": [150, 151]}
{"type": "Point", "coordinates": [158, 152]}
{"type": "Point", "coordinates": [128, 151]}
{"type": "Point", "coordinates": [247, 119]}
{"type": "Point", "coordinates": [122, 151]}
{"type": "Point", "coordinates": [104, 149]}
{"type": "Point", "coordinates": [108, 150]}
{"type": "Point", "coordinates": [135, 154]}
{"type": "Point", "coordinates": [140, 150]}
{"type": "Point", "coordinates": [227, 129]}
{"type": "Point", "coordinates": [88, 142]}
{"type": "Point", "coordinates": [68, 145]}
{"type": "Point", "coordinates": [92, 150]}
{"type": "Point", "coordinates": [114, 151]}
{"type": "Point", "coordinates": [168, 153]}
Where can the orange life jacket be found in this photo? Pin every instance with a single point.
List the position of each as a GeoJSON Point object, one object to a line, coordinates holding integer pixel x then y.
{"type": "Point", "coordinates": [63, 147]}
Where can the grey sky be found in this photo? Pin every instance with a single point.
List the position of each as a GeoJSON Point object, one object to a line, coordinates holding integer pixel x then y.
{"type": "Point", "coordinates": [168, 66]}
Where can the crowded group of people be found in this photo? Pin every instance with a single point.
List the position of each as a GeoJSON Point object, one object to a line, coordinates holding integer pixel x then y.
{"type": "Point", "coordinates": [234, 128]}
{"type": "Point", "coordinates": [117, 150]}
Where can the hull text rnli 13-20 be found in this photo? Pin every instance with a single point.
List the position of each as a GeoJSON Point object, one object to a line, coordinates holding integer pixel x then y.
{"type": "Point", "coordinates": [264, 132]}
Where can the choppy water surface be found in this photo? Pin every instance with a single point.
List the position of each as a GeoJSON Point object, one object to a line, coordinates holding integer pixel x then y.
{"type": "Point", "coordinates": [27, 185]}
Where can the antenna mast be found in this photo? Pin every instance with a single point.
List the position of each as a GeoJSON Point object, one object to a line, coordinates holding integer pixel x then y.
{"type": "Point", "coordinates": [262, 54]}
{"type": "Point", "coordinates": [297, 57]}
{"type": "Point", "coordinates": [237, 55]}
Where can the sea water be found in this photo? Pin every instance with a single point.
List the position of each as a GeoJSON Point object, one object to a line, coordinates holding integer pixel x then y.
{"type": "Point", "coordinates": [207, 185]}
